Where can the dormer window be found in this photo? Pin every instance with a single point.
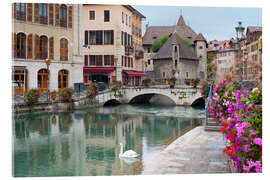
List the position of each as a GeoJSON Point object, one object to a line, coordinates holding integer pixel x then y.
{"type": "Point", "coordinates": [155, 37]}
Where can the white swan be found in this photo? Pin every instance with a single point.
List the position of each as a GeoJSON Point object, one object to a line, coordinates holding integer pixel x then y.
{"type": "Point", "coordinates": [129, 153]}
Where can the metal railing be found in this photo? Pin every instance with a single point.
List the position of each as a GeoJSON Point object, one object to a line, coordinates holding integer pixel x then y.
{"type": "Point", "coordinates": [209, 101]}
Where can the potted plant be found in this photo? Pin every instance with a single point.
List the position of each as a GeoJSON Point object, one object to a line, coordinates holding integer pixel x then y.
{"type": "Point", "coordinates": [66, 94]}
{"type": "Point", "coordinates": [92, 90]}
{"type": "Point", "coordinates": [171, 82]}
{"type": "Point", "coordinates": [194, 82]}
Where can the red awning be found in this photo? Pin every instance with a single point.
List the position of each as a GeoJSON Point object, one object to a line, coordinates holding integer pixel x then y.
{"type": "Point", "coordinates": [135, 73]}
{"type": "Point", "coordinates": [98, 69]}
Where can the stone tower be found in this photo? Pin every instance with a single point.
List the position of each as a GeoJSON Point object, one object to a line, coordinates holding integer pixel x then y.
{"type": "Point", "coordinates": [201, 53]}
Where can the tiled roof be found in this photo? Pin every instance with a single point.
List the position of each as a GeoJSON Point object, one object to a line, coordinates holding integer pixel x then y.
{"type": "Point", "coordinates": [200, 38]}
{"type": "Point", "coordinates": [155, 32]}
{"type": "Point", "coordinates": [165, 52]}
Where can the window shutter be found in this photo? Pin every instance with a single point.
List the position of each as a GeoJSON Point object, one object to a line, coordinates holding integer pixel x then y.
{"type": "Point", "coordinates": [29, 11]}
{"type": "Point", "coordinates": [51, 14]}
{"type": "Point", "coordinates": [66, 50]}
{"type": "Point", "coordinates": [112, 34]}
{"type": "Point", "coordinates": [14, 10]}
{"type": "Point", "coordinates": [51, 50]}
{"type": "Point", "coordinates": [70, 16]}
{"type": "Point", "coordinates": [30, 46]}
{"type": "Point", "coordinates": [86, 60]}
{"type": "Point", "coordinates": [86, 37]}
{"type": "Point", "coordinates": [14, 45]}
{"type": "Point", "coordinates": [112, 60]}
{"type": "Point", "coordinates": [57, 15]}
{"type": "Point", "coordinates": [36, 12]}
{"type": "Point", "coordinates": [37, 47]}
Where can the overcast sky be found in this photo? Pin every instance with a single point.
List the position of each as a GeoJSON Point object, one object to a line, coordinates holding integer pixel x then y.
{"type": "Point", "coordinates": [215, 23]}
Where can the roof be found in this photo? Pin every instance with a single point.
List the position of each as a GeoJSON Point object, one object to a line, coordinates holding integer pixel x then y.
{"type": "Point", "coordinates": [200, 38]}
{"type": "Point", "coordinates": [132, 9]}
{"type": "Point", "coordinates": [155, 32]}
{"type": "Point", "coordinates": [251, 29]}
{"type": "Point", "coordinates": [165, 52]}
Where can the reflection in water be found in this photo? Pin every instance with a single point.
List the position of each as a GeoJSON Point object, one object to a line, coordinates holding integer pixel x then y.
{"type": "Point", "coordinates": [86, 143]}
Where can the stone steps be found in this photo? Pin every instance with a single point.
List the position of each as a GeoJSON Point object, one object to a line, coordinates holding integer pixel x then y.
{"type": "Point", "coordinates": [211, 126]}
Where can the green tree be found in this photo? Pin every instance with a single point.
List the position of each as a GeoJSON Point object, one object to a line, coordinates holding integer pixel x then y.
{"type": "Point", "coordinates": [211, 67]}
{"type": "Point", "coordinates": [158, 43]}
{"type": "Point", "coordinates": [188, 43]}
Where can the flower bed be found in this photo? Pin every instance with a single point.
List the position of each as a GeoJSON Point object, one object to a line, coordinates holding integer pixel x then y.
{"type": "Point", "coordinates": [92, 91]}
{"type": "Point", "coordinates": [239, 115]}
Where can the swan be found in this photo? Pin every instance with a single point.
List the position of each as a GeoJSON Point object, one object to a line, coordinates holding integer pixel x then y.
{"type": "Point", "coordinates": [129, 153]}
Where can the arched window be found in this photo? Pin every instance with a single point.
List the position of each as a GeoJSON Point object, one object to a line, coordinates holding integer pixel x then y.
{"type": "Point", "coordinates": [43, 79]}
{"type": "Point", "coordinates": [21, 45]}
{"type": "Point", "coordinates": [63, 49]}
{"type": "Point", "coordinates": [43, 47]}
{"type": "Point", "coordinates": [62, 79]}
{"type": "Point", "coordinates": [63, 15]}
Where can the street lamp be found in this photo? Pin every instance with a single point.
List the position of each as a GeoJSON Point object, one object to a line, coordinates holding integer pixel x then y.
{"type": "Point", "coordinates": [245, 59]}
{"type": "Point", "coordinates": [239, 34]}
{"type": "Point", "coordinates": [48, 63]}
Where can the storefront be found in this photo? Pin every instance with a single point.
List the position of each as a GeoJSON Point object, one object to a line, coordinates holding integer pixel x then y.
{"type": "Point", "coordinates": [132, 78]}
{"type": "Point", "coordinates": [98, 74]}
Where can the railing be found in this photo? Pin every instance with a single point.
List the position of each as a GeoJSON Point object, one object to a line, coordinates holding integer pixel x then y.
{"type": "Point", "coordinates": [209, 101]}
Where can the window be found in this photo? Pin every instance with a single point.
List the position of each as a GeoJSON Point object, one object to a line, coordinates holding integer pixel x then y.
{"type": "Point", "coordinates": [131, 62]}
{"type": "Point", "coordinates": [186, 74]}
{"type": "Point", "coordinates": [42, 79]}
{"type": "Point", "coordinates": [92, 37]}
{"type": "Point", "coordinates": [123, 22]}
{"type": "Point", "coordinates": [99, 39]}
{"type": "Point", "coordinates": [62, 79]}
{"type": "Point", "coordinates": [122, 38]}
{"type": "Point", "coordinates": [126, 38]}
{"type": "Point", "coordinates": [43, 47]}
{"type": "Point", "coordinates": [149, 61]}
{"type": "Point", "coordinates": [163, 74]}
{"type": "Point", "coordinates": [108, 37]}
{"type": "Point", "coordinates": [63, 15]}
{"type": "Point", "coordinates": [92, 15]}
{"type": "Point", "coordinates": [92, 60]}
{"type": "Point", "coordinates": [99, 60]}
{"type": "Point", "coordinates": [200, 47]}
{"type": "Point", "coordinates": [85, 60]}
{"type": "Point", "coordinates": [108, 60]}
{"type": "Point", "coordinates": [126, 19]}
{"type": "Point", "coordinates": [106, 16]}
{"type": "Point", "coordinates": [175, 64]}
{"type": "Point", "coordinates": [148, 50]}
{"type": "Point", "coordinates": [21, 45]}
{"type": "Point", "coordinates": [129, 21]}
{"type": "Point", "coordinates": [63, 49]}
{"type": "Point", "coordinates": [21, 11]}
{"type": "Point", "coordinates": [86, 37]}
{"type": "Point", "coordinates": [126, 61]}
{"type": "Point", "coordinates": [19, 81]}
{"type": "Point", "coordinates": [43, 14]}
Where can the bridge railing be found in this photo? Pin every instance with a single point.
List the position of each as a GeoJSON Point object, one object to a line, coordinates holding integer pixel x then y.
{"type": "Point", "coordinates": [209, 101]}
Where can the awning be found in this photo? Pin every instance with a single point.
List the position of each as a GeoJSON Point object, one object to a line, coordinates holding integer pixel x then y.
{"type": "Point", "coordinates": [135, 73]}
{"type": "Point", "coordinates": [18, 68]}
{"type": "Point", "coordinates": [98, 69]}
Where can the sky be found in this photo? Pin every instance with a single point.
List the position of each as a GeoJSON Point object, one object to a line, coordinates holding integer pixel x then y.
{"type": "Point", "coordinates": [213, 22]}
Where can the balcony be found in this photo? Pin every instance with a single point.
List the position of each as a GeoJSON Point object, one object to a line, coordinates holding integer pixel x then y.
{"type": "Point", "coordinates": [129, 50]}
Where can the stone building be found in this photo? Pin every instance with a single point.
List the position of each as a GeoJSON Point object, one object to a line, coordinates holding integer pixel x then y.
{"type": "Point", "coordinates": [182, 32]}
{"type": "Point", "coordinates": [43, 32]}
{"type": "Point", "coordinates": [108, 41]}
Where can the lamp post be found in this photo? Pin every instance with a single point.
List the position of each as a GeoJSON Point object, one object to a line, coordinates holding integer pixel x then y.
{"type": "Point", "coordinates": [48, 63]}
{"type": "Point", "coordinates": [239, 34]}
{"type": "Point", "coordinates": [245, 59]}
{"type": "Point", "coordinates": [115, 61]}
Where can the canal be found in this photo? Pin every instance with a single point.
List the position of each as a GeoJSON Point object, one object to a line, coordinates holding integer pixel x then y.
{"type": "Point", "coordinates": [83, 143]}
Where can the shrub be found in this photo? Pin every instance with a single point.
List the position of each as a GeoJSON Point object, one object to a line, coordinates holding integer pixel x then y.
{"type": "Point", "coordinates": [31, 97]}
{"type": "Point", "coordinates": [66, 94]}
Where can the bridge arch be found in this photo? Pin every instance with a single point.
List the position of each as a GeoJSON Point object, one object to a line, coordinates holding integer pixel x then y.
{"type": "Point", "coordinates": [198, 102]}
{"type": "Point", "coordinates": [152, 98]}
{"type": "Point", "coordinates": [111, 102]}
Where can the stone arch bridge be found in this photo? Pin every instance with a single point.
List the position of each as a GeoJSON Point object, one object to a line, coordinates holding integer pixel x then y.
{"type": "Point", "coordinates": [177, 96]}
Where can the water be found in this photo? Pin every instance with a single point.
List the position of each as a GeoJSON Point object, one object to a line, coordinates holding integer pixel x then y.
{"type": "Point", "coordinates": [86, 143]}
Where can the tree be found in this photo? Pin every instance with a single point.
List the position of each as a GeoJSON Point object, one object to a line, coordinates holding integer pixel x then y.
{"type": "Point", "coordinates": [187, 42]}
{"type": "Point", "coordinates": [211, 67]}
{"type": "Point", "coordinates": [158, 43]}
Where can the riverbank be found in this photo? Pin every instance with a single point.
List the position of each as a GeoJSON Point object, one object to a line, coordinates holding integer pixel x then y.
{"type": "Point", "coordinates": [196, 152]}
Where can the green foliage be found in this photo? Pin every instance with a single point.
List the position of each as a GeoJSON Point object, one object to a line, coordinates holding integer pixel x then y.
{"type": "Point", "coordinates": [187, 42]}
{"type": "Point", "coordinates": [31, 97]}
{"type": "Point", "coordinates": [66, 94]}
{"type": "Point", "coordinates": [158, 43]}
{"type": "Point", "coordinates": [211, 67]}
{"type": "Point", "coordinates": [205, 89]}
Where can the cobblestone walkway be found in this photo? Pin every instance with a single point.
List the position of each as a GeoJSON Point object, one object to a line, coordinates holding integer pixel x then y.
{"type": "Point", "coordinates": [197, 151]}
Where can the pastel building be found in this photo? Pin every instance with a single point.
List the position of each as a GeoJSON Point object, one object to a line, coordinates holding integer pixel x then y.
{"type": "Point", "coordinates": [108, 44]}
{"type": "Point", "coordinates": [46, 33]}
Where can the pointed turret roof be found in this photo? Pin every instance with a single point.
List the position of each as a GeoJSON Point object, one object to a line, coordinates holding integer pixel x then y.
{"type": "Point", "coordinates": [181, 21]}
{"type": "Point", "coordinates": [200, 38]}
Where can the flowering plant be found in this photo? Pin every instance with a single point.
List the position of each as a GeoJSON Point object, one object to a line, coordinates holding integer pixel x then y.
{"type": "Point", "coordinates": [115, 87]}
{"type": "Point", "coordinates": [92, 90]}
{"type": "Point", "coordinates": [31, 97]}
{"type": "Point", "coordinates": [205, 89]}
{"type": "Point", "coordinates": [66, 94]}
{"type": "Point", "coordinates": [240, 120]}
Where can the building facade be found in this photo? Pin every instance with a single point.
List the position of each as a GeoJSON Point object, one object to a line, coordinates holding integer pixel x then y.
{"type": "Point", "coordinates": [187, 36]}
{"type": "Point", "coordinates": [46, 33]}
{"type": "Point", "coordinates": [108, 44]}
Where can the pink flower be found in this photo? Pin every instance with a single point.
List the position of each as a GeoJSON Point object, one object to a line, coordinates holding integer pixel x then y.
{"type": "Point", "coordinates": [258, 141]}
{"type": "Point", "coordinates": [246, 148]}
{"type": "Point", "coordinates": [252, 132]}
